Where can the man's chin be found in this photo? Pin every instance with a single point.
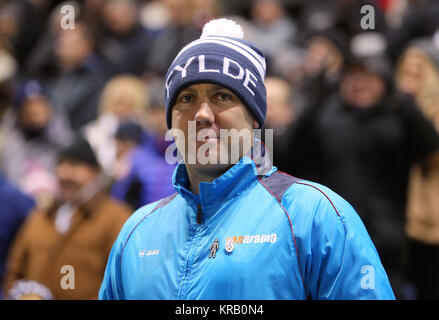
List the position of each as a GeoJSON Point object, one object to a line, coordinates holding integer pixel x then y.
{"type": "Point", "coordinates": [212, 168]}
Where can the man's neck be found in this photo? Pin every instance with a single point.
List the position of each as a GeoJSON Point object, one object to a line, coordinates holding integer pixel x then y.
{"type": "Point", "coordinates": [197, 176]}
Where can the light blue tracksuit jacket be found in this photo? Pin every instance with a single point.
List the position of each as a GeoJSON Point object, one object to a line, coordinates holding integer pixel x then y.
{"type": "Point", "coordinates": [286, 239]}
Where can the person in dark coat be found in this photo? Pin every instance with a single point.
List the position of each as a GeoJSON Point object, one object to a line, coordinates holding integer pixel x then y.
{"type": "Point", "coordinates": [361, 141]}
{"type": "Point", "coordinates": [177, 33]}
{"type": "Point", "coordinates": [124, 42]}
{"type": "Point", "coordinates": [419, 21]}
{"type": "Point", "coordinates": [77, 86]}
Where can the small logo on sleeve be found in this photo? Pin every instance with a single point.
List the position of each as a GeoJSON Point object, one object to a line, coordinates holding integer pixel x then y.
{"type": "Point", "coordinates": [145, 252]}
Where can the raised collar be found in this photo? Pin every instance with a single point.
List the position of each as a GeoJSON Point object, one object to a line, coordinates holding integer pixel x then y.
{"type": "Point", "coordinates": [235, 181]}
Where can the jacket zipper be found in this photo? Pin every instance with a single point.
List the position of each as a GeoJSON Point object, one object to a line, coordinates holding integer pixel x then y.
{"type": "Point", "coordinates": [199, 215]}
{"type": "Point", "coordinates": [182, 292]}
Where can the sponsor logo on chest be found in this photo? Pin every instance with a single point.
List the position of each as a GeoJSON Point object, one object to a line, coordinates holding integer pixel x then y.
{"type": "Point", "coordinates": [257, 238]}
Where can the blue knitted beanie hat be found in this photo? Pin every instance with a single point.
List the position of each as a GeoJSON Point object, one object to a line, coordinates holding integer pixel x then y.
{"type": "Point", "coordinates": [222, 57]}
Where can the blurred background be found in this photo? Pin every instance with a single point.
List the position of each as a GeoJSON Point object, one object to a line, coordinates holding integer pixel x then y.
{"type": "Point", "coordinates": [353, 108]}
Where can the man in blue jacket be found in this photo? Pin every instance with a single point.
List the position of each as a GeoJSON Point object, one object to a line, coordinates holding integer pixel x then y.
{"type": "Point", "coordinates": [237, 229]}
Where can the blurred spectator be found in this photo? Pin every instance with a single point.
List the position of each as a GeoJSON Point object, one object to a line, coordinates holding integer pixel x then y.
{"type": "Point", "coordinates": [128, 136]}
{"type": "Point", "coordinates": [361, 142]}
{"type": "Point", "coordinates": [280, 109]}
{"type": "Point", "coordinates": [154, 16]}
{"type": "Point", "coordinates": [394, 11]}
{"type": "Point", "coordinates": [273, 30]}
{"type": "Point", "coordinates": [417, 74]}
{"type": "Point", "coordinates": [14, 208]}
{"type": "Point", "coordinates": [41, 62]}
{"type": "Point", "coordinates": [124, 42]}
{"type": "Point", "coordinates": [124, 98]}
{"type": "Point", "coordinates": [21, 23]}
{"type": "Point", "coordinates": [78, 230]}
{"type": "Point", "coordinates": [327, 52]}
{"type": "Point", "coordinates": [342, 14]}
{"type": "Point", "coordinates": [289, 64]}
{"type": "Point", "coordinates": [173, 37]}
{"type": "Point", "coordinates": [202, 11]}
{"type": "Point", "coordinates": [91, 11]}
{"type": "Point", "coordinates": [420, 21]}
{"type": "Point", "coordinates": [76, 88]}
{"type": "Point", "coordinates": [281, 112]}
{"type": "Point", "coordinates": [33, 134]}
{"type": "Point", "coordinates": [149, 177]}
{"type": "Point", "coordinates": [8, 70]}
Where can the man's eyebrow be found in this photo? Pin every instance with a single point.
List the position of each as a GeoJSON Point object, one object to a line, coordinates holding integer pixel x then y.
{"type": "Point", "coordinates": [188, 89]}
{"type": "Point", "coordinates": [216, 88]}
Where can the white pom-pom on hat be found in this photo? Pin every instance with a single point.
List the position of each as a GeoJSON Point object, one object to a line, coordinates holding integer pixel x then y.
{"type": "Point", "coordinates": [222, 27]}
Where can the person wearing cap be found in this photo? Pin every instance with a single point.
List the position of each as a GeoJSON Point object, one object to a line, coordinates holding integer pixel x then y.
{"type": "Point", "coordinates": [238, 228]}
{"type": "Point", "coordinates": [33, 133]}
{"type": "Point", "coordinates": [61, 252]}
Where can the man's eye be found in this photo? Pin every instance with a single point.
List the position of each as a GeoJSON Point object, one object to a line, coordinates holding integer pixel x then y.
{"type": "Point", "coordinates": [186, 98]}
{"type": "Point", "coordinates": [223, 96]}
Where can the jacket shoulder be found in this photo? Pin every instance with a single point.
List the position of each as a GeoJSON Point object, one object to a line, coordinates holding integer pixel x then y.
{"type": "Point", "coordinates": [312, 204]}
{"type": "Point", "coordinates": [305, 200]}
{"type": "Point", "coordinates": [288, 189]}
{"type": "Point", "coordinates": [142, 213]}
{"type": "Point", "coordinates": [284, 186]}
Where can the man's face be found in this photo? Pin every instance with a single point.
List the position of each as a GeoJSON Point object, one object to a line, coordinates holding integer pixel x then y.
{"type": "Point", "coordinates": [72, 47]}
{"type": "Point", "coordinates": [72, 176]}
{"type": "Point", "coordinates": [120, 15]}
{"type": "Point", "coordinates": [411, 71]}
{"type": "Point", "coordinates": [35, 113]}
{"type": "Point", "coordinates": [322, 54]}
{"type": "Point", "coordinates": [361, 88]}
{"type": "Point", "coordinates": [211, 109]}
{"type": "Point", "coordinates": [280, 112]}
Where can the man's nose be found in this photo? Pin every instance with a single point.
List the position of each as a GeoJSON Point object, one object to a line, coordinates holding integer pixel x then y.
{"type": "Point", "coordinates": [205, 114]}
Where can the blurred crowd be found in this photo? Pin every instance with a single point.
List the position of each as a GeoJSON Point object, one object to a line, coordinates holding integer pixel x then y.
{"type": "Point", "coordinates": [82, 123]}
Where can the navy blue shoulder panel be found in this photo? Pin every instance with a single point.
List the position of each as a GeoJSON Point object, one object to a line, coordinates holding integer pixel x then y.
{"type": "Point", "coordinates": [278, 183]}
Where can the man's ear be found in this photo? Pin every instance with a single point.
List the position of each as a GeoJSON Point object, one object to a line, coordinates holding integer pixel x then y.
{"type": "Point", "coordinates": [255, 124]}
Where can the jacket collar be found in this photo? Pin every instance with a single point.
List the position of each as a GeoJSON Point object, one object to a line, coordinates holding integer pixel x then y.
{"type": "Point", "coordinates": [236, 180]}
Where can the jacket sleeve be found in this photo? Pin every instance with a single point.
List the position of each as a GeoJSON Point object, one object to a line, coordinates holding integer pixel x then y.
{"type": "Point", "coordinates": [112, 284]}
{"type": "Point", "coordinates": [339, 260]}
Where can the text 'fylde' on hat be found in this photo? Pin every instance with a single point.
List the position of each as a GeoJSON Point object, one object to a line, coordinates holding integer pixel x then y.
{"type": "Point", "coordinates": [222, 57]}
